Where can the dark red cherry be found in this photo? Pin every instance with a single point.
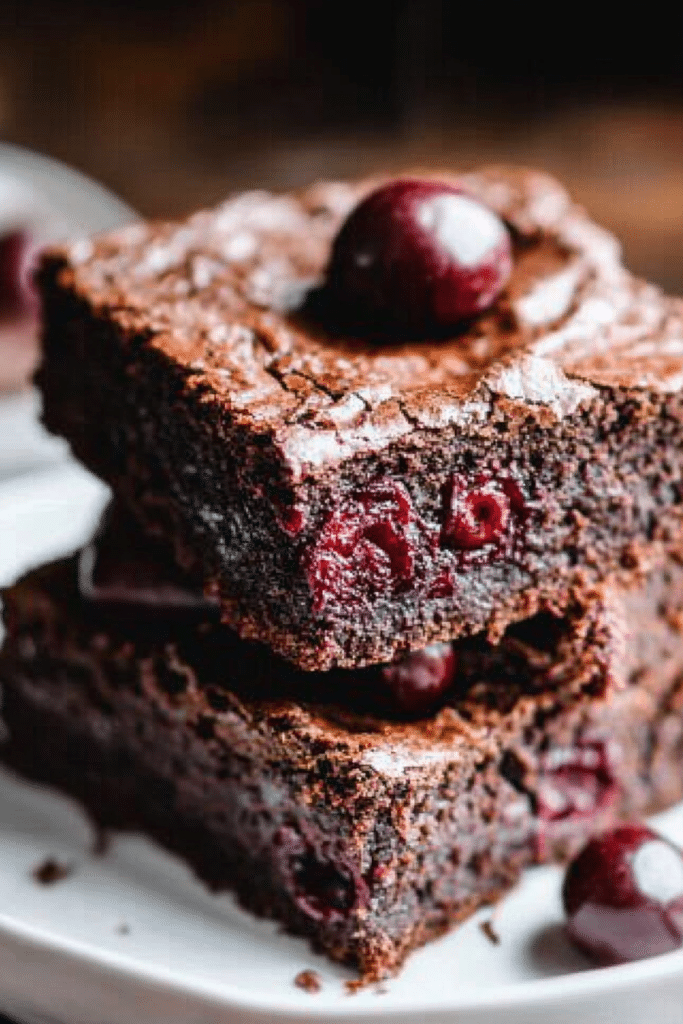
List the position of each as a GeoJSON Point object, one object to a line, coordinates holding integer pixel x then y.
{"type": "Point", "coordinates": [575, 782]}
{"type": "Point", "coordinates": [420, 681]}
{"type": "Point", "coordinates": [478, 512]}
{"type": "Point", "coordinates": [623, 896]}
{"type": "Point", "coordinates": [17, 297]}
{"type": "Point", "coordinates": [291, 520]}
{"type": "Point", "coordinates": [366, 548]}
{"type": "Point", "coordinates": [476, 519]}
{"type": "Point", "coordinates": [419, 256]}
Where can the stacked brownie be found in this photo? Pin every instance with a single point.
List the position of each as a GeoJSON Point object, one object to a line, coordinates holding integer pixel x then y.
{"type": "Point", "coordinates": [389, 604]}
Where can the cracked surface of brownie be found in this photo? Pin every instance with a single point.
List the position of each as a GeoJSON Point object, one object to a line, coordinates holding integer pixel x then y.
{"type": "Point", "coordinates": [367, 832]}
{"type": "Point", "coordinates": [351, 498]}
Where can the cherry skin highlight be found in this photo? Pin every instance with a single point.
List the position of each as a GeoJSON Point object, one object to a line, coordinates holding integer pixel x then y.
{"type": "Point", "coordinates": [418, 257]}
{"type": "Point", "coordinates": [623, 896]}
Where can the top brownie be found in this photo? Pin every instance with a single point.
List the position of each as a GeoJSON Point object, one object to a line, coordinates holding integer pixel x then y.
{"type": "Point", "coordinates": [349, 494]}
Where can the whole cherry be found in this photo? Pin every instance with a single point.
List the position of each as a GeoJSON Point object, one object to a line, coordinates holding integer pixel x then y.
{"type": "Point", "coordinates": [419, 256]}
{"type": "Point", "coordinates": [623, 895]}
{"type": "Point", "coordinates": [418, 683]}
{"type": "Point", "coordinates": [17, 297]}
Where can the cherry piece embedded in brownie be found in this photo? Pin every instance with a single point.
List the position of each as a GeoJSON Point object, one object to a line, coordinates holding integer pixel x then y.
{"type": "Point", "coordinates": [575, 782]}
{"type": "Point", "coordinates": [318, 802]}
{"type": "Point", "coordinates": [369, 547]}
{"type": "Point", "coordinates": [422, 680]}
{"type": "Point", "coordinates": [345, 497]}
{"type": "Point", "coordinates": [17, 296]}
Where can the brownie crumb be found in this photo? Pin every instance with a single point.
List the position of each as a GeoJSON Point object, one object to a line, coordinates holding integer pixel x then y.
{"type": "Point", "coordinates": [51, 871]}
{"type": "Point", "coordinates": [490, 932]}
{"type": "Point", "coordinates": [309, 981]}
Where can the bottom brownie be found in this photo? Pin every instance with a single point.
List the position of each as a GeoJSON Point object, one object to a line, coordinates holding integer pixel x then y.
{"type": "Point", "coordinates": [368, 833]}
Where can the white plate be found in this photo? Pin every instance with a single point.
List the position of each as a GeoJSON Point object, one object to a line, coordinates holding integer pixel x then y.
{"type": "Point", "coordinates": [63, 203]}
{"type": "Point", "coordinates": [75, 203]}
{"type": "Point", "coordinates": [189, 956]}
{"type": "Point", "coordinates": [25, 446]}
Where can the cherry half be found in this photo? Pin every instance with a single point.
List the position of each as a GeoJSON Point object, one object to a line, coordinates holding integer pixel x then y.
{"type": "Point", "coordinates": [321, 886]}
{"type": "Point", "coordinates": [419, 256]}
{"type": "Point", "coordinates": [623, 896]}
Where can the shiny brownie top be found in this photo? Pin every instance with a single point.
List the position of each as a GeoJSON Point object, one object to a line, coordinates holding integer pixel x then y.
{"type": "Point", "coordinates": [225, 295]}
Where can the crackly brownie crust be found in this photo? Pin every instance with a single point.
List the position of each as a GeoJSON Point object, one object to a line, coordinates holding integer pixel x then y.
{"type": "Point", "coordinates": [181, 365]}
{"type": "Point", "coordinates": [369, 835]}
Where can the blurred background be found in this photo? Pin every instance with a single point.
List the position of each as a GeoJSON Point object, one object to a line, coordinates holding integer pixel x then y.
{"type": "Point", "coordinates": [174, 104]}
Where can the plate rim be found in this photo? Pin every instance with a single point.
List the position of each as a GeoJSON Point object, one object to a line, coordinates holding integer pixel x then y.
{"type": "Point", "coordinates": [515, 996]}
{"type": "Point", "coordinates": [47, 172]}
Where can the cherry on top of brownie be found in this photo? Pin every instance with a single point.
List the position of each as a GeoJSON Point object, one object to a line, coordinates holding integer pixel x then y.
{"type": "Point", "coordinates": [220, 295]}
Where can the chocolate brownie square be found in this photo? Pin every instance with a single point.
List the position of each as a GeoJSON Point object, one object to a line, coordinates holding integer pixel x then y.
{"type": "Point", "coordinates": [314, 798]}
{"type": "Point", "coordinates": [349, 494]}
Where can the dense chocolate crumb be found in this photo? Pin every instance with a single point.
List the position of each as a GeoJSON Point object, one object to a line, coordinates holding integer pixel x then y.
{"type": "Point", "coordinates": [51, 871]}
{"type": "Point", "coordinates": [309, 981]}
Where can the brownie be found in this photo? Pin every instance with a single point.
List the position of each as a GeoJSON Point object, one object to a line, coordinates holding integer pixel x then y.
{"type": "Point", "coordinates": [315, 478]}
{"type": "Point", "coordinates": [367, 832]}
